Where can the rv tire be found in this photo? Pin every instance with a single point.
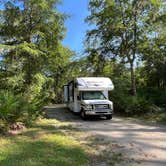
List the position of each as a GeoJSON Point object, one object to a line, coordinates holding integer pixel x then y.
{"type": "Point", "coordinates": [108, 117]}
{"type": "Point", "coordinates": [83, 115]}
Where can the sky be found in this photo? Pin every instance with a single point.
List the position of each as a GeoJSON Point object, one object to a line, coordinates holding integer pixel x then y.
{"type": "Point", "coordinates": [75, 24]}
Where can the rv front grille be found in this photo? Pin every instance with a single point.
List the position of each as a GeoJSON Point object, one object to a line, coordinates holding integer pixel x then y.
{"type": "Point", "coordinates": [101, 106]}
{"type": "Point", "coordinates": [101, 112]}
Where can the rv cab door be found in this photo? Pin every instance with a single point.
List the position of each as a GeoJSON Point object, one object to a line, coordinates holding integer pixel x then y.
{"type": "Point", "coordinates": [78, 99]}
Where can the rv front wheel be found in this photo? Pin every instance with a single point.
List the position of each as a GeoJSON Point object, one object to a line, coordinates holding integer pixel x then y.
{"type": "Point", "coordinates": [108, 117]}
{"type": "Point", "coordinates": [83, 115]}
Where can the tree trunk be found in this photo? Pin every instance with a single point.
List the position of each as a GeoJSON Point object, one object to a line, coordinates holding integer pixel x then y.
{"type": "Point", "coordinates": [29, 65]}
{"type": "Point", "coordinates": [56, 82]}
{"type": "Point", "coordinates": [133, 83]}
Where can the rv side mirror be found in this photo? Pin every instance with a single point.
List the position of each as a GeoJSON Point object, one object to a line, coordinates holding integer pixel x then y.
{"type": "Point", "coordinates": [75, 84]}
{"type": "Point", "coordinates": [78, 97]}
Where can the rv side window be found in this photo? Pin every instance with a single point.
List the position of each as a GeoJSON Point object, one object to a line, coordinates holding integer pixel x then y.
{"type": "Point", "coordinates": [79, 96]}
{"type": "Point", "coordinates": [71, 92]}
{"type": "Point", "coordinates": [75, 84]}
{"type": "Point", "coordinates": [66, 93]}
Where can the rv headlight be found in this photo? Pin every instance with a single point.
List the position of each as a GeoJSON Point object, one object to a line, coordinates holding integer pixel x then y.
{"type": "Point", "coordinates": [111, 106]}
{"type": "Point", "coordinates": [88, 107]}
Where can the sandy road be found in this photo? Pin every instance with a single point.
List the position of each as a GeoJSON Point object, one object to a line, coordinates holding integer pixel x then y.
{"type": "Point", "coordinates": [145, 143]}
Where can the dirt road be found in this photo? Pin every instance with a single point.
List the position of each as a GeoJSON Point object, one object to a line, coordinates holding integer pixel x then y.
{"type": "Point", "coordinates": [144, 143]}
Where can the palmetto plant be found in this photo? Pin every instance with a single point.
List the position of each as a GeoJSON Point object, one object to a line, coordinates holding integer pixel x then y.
{"type": "Point", "coordinates": [9, 107]}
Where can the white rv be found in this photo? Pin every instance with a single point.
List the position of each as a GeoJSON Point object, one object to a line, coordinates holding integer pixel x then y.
{"type": "Point", "coordinates": [89, 96]}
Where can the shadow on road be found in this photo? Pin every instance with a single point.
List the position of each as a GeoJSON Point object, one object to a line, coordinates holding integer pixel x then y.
{"type": "Point", "coordinates": [142, 141]}
{"type": "Point", "coordinates": [61, 113]}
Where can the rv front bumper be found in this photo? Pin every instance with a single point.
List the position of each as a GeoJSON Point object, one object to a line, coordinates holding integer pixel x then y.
{"type": "Point", "coordinates": [101, 113]}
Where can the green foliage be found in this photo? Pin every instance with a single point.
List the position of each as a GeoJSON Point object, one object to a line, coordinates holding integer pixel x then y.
{"type": "Point", "coordinates": [154, 69]}
{"type": "Point", "coordinates": [33, 63]}
{"type": "Point", "coordinates": [127, 44]}
{"type": "Point", "coordinates": [155, 95]}
{"type": "Point", "coordinates": [131, 105]}
{"type": "Point", "coordinates": [9, 107]}
{"type": "Point", "coordinates": [148, 100]}
{"type": "Point", "coordinates": [122, 29]}
{"type": "Point", "coordinates": [135, 105]}
{"type": "Point", "coordinates": [14, 108]}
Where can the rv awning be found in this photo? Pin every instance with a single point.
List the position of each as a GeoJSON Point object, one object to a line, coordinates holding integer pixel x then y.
{"type": "Point", "coordinates": [94, 83]}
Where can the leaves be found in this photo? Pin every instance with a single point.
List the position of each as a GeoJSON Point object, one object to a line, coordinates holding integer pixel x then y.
{"type": "Point", "coordinates": [123, 29]}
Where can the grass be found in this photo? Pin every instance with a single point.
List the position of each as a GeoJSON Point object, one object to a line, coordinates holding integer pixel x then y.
{"type": "Point", "coordinates": [42, 145]}
{"type": "Point", "coordinates": [56, 143]}
{"type": "Point", "coordinates": [155, 117]}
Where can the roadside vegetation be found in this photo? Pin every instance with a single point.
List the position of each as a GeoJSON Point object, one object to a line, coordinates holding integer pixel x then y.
{"type": "Point", "coordinates": [127, 44]}
{"type": "Point", "coordinates": [53, 142]}
{"type": "Point", "coordinates": [33, 61]}
{"type": "Point", "coordinates": [42, 144]}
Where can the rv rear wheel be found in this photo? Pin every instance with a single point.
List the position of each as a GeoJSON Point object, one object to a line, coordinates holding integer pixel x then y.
{"type": "Point", "coordinates": [108, 117]}
{"type": "Point", "coordinates": [83, 115]}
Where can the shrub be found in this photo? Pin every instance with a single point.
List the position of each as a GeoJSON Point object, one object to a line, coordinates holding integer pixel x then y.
{"type": "Point", "coordinates": [124, 103]}
{"type": "Point", "coordinates": [32, 110]}
{"type": "Point", "coordinates": [148, 100]}
{"type": "Point", "coordinates": [135, 105]}
{"type": "Point", "coordinates": [9, 107]}
{"type": "Point", "coordinates": [155, 95]}
{"type": "Point", "coordinates": [16, 108]}
{"type": "Point", "coordinates": [131, 105]}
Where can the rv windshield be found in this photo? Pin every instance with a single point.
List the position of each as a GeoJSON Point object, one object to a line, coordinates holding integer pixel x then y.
{"type": "Point", "coordinates": [93, 95]}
